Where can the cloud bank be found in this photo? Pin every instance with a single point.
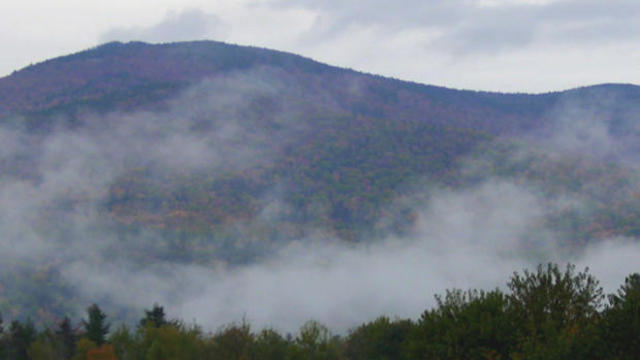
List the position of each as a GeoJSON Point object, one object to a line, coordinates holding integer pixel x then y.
{"type": "Point", "coordinates": [185, 25]}
{"type": "Point", "coordinates": [468, 27]}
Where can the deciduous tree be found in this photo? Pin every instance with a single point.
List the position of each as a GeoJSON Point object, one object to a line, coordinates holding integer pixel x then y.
{"type": "Point", "coordinates": [620, 326]}
{"type": "Point", "coordinates": [555, 312]}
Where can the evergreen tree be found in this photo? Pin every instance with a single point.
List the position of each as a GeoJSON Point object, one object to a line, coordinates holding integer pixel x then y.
{"type": "Point", "coordinates": [2, 339]}
{"type": "Point", "coordinates": [20, 337]}
{"type": "Point", "coordinates": [66, 338]}
{"type": "Point", "coordinates": [154, 317]}
{"type": "Point", "coordinates": [96, 328]}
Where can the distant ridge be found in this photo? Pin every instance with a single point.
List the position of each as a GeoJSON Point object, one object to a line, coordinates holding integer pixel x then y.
{"type": "Point", "coordinates": [133, 75]}
{"type": "Point", "coordinates": [115, 68]}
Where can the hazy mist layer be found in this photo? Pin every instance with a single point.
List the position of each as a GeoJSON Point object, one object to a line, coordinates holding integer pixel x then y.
{"type": "Point", "coordinates": [52, 216]}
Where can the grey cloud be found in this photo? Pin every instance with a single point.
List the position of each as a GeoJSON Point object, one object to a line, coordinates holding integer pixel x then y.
{"type": "Point", "coordinates": [469, 239]}
{"type": "Point", "coordinates": [490, 36]}
{"type": "Point", "coordinates": [53, 185]}
{"type": "Point", "coordinates": [612, 261]}
{"type": "Point", "coordinates": [187, 25]}
{"type": "Point", "coordinates": [465, 26]}
{"type": "Point", "coordinates": [591, 127]}
{"type": "Point", "coordinates": [340, 284]}
{"type": "Point", "coordinates": [407, 13]}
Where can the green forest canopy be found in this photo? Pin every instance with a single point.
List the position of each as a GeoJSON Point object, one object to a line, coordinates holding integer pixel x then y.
{"type": "Point", "coordinates": [547, 313]}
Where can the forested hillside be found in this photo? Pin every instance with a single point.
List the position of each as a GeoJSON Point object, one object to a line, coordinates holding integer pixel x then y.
{"type": "Point", "coordinates": [138, 165]}
{"type": "Point", "coordinates": [351, 140]}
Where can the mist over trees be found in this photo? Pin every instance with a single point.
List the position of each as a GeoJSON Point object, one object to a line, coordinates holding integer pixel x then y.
{"type": "Point", "coordinates": [547, 313]}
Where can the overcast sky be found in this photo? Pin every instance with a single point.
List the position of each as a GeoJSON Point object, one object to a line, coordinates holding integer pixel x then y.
{"type": "Point", "coordinates": [503, 45]}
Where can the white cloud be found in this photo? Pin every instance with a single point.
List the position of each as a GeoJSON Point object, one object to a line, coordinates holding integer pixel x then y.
{"type": "Point", "coordinates": [189, 24]}
{"type": "Point", "coordinates": [503, 45]}
{"type": "Point", "coordinates": [500, 45]}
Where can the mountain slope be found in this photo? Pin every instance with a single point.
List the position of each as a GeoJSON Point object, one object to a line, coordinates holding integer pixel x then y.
{"type": "Point", "coordinates": [134, 75]}
{"type": "Point", "coordinates": [347, 142]}
{"type": "Point", "coordinates": [207, 153]}
{"type": "Point", "coordinates": [114, 73]}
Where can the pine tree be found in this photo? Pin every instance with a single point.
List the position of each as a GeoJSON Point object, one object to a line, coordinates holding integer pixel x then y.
{"type": "Point", "coordinates": [2, 340]}
{"type": "Point", "coordinates": [66, 338]}
{"type": "Point", "coordinates": [154, 317]}
{"type": "Point", "coordinates": [96, 328]}
{"type": "Point", "coordinates": [20, 337]}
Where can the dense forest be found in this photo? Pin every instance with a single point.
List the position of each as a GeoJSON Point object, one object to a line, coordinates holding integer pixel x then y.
{"type": "Point", "coordinates": [546, 313]}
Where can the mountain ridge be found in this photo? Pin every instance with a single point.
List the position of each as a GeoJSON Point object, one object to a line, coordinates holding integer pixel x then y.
{"type": "Point", "coordinates": [335, 110]}
{"type": "Point", "coordinates": [142, 76]}
{"type": "Point", "coordinates": [119, 44]}
{"type": "Point", "coordinates": [22, 91]}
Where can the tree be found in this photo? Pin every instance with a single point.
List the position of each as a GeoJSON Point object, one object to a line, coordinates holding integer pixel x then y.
{"type": "Point", "coordinates": [234, 341]}
{"type": "Point", "coordinates": [20, 337]}
{"type": "Point", "coordinates": [174, 342]}
{"type": "Point", "coordinates": [125, 344]}
{"type": "Point", "coordinates": [379, 339]}
{"type": "Point", "coordinates": [2, 340]}
{"type": "Point", "coordinates": [270, 345]}
{"type": "Point", "coordinates": [620, 325]}
{"type": "Point", "coordinates": [556, 312]}
{"type": "Point", "coordinates": [96, 328]}
{"type": "Point", "coordinates": [104, 352]}
{"type": "Point", "coordinates": [154, 317]}
{"type": "Point", "coordinates": [83, 346]}
{"type": "Point", "coordinates": [66, 338]}
{"type": "Point", "coordinates": [43, 348]}
{"type": "Point", "coordinates": [464, 325]}
{"type": "Point", "coordinates": [315, 342]}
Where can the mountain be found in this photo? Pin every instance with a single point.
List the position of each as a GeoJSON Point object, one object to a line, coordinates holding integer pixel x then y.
{"type": "Point", "coordinates": [138, 75]}
{"type": "Point", "coordinates": [347, 140]}
{"type": "Point", "coordinates": [208, 153]}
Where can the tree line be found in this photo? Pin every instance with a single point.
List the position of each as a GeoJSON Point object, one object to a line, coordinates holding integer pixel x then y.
{"type": "Point", "coordinates": [548, 313]}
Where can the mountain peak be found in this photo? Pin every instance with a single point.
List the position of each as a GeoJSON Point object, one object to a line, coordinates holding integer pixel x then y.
{"type": "Point", "coordinates": [136, 75]}
{"type": "Point", "coordinates": [117, 69]}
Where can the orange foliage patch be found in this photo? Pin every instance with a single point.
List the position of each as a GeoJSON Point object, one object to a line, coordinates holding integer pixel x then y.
{"type": "Point", "coordinates": [104, 352]}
